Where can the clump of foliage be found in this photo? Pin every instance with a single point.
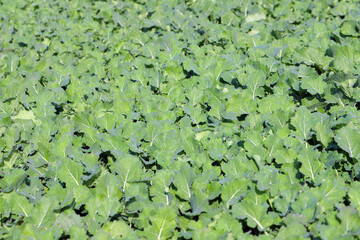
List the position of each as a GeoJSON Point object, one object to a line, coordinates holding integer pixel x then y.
{"type": "Point", "coordinates": [179, 119]}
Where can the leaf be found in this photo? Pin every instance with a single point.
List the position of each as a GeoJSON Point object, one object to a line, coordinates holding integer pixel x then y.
{"type": "Point", "coordinates": [241, 103]}
{"type": "Point", "coordinates": [266, 178]}
{"type": "Point", "coordinates": [333, 191]}
{"type": "Point", "coordinates": [77, 232]}
{"type": "Point", "coordinates": [255, 17]}
{"type": "Point", "coordinates": [254, 81]}
{"type": "Point", "coordinates": [303, 121]}
{"type": "Point", "coordinates": [217, 110]}
{"type": "Point", "coordinates": [354, 195]}
{"type": "Point", "coordinates": [220, 67]}
{"type": "Point", "coordinates": [306, 205]}
{"type": "Point", "coordinates": [117, 229]}
{"type": "Point", "coordinates": [108, 186]}
{"type": "Point", "coordinates": [274, 144]}
{"type": "Point", "coordinates": [19, 204]}
{"type": "Point", "coordinates": [255, 214]}
{"type": "Point", "coordinates": [292, 230]}
{"type": "Point", "coordinates": [26, 115]}
{"type": "Point", "coordinates": [314, 85]}
{"type": "Point", "coordinates": [350, 219]}
{"type": "Point", "coordinates": [196, 115]}
{"type": "Point", "coordinates": [70, 173]}
{"type": "Point", "coordinates": [285, 156]}
{"type": "Point", "coordinates": [227, 224]}
{"type": "Point", "coordinates": [233, 190]}
{"type": "Point", "coordinates": [12, 62]}
{"type": "Point", "coordinates": [153, 130]}
{"type": "Point", "coordinates": [345, 58]}
{"type": "Point", "coordinates": [312, 56]}
{"type": "Point", "coordinates": [238, 166]}
{"type": "Point", "coordinates": [310, 164]}
{"type": "Point", "coordinates": [42, 215]}
{"type": "Point", "coordinates": [163, 223]}
{"type": "Point", "coordinates": [67, 220]}
{"type": "Point", "coordinates": [13, 181]}
{"type": "Point", "coordinates": [183, 181]}
{"type": "Point", "coordinates": [160, 184]}
{"type": "Point", "coordinates": [189, 65]}
{"type": "Point", "coordinates": [349, 28]}
{"type": "Point", "coordinates": [349, 140]}
{"type": "Point", "coordinates": [107, 207]}
{"type": "Point", "coordinates": [33, 232]}
{"type": "Point", "coordinates": [100, 209]}
{"type": "Point", "coordinates": [129, 170]}
{"type": "Point", "coordinates": [199, 204]}
{"type": "Point", "coordinates": [81, 195]}
{"type": "Point", "coordinates": [323, 134]}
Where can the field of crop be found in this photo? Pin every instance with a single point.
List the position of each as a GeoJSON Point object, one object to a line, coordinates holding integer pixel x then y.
{"type": "Point", "coordinates": [196, 119]}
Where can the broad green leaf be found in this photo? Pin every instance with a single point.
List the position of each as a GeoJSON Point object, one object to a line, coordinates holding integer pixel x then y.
{"type": "Point", "coordinates": [354, 195]}
{"type": "Point", "coordinates": [163, 223]}
{"type": "Point", "coordinates": [62, 145]}
{"type": "Point", "coordinates": [329, 232]}
{"type": "Point", "coordinates": [255, 17]}
{"type": "Point", "coordinates": [285, 156]}
{"type": "Point", "coordinates": [160, 184]}
{"type": "Point", "coordinates": [77, 232]}
{"type": "Point", "coordinates": [70, 173]}
{"type": "Point", "coordinates": [345, 58]}
{"type": "Point", "coordinates": [293, 230]}
{"type": "Point", "coordinates": [13, 180]}
{"type": "Point", "coordinates": [101, 209]}
{"type": "Point", "coordinates": [233, 190]}
{"type": "Point", "coordinates": [183, 181]}
{"type": "Point", "coordinates": [350, 219]}
{"type": "Point", "coordinates": [312, 56]}
{"type": "Point", "coordinates": [19, 204]}
{"type": "Point", "coordinates": [107, 207]}
{"type": "Point", "coordinates": [255, 214]}
{"type": "Point", "coordinates": [199, 204]}
{"type": "Point", "coordinates": [310, 164]}
{"type": "Point", "coordinates": [254, 81]}
{"type": "Point", "coordinates": [12, 62]}
{"type": "Point", "coordinates": [220, 67]}
{"type": "Point", "coordinates": [349, 28]}
{"type": "Point", "coordinates": [196, 114]}
{"type": "Point", "coordinates": [81, 195]}
{"type": "Point", "coordinates": [42, 215]}
{"type": "Point", "coordinates": [274, 144]}
{"type": "Point", "coordinates": [314, 85]}
{"type": "Point", "coordinates": [153, 130]}
{"type": "Point", "coordinates": [117, 229]}
{"type": "Point", "coordinates": [226, 223]}
{"type": "Point", "coordinates": [27, 115]}
{"type": "Point", "coordinates": [67, 220]}
{"type": "Point", "coordinates": [217, 110]}
{"type": "Point", "coordinates": [238, 166]}
{"type": "Point", "coordinates": [333, 192]}
{"type": "Point", "coordinates": [241, 103]}
{"type": "Point", "coordinates": [266, 178]}
{"type": "Point", "coordinates": [323, 133]}
{"type": "Point", "coordinates": [303, 121]}
{"type": "Point", "coordinates": [34, 232]}
{"type": "Point", "coordinates": [305, 205]}
{"type": "Point", "coordinates": [349, 140]}
{"type": "Point", "coordinates": [108, 186]}
{"type": "Point", "coordinates": [129, 169]}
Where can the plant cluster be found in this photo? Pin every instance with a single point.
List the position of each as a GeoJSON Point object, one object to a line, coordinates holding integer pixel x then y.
{"type": "Point", "coordinates": [167, 119]}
